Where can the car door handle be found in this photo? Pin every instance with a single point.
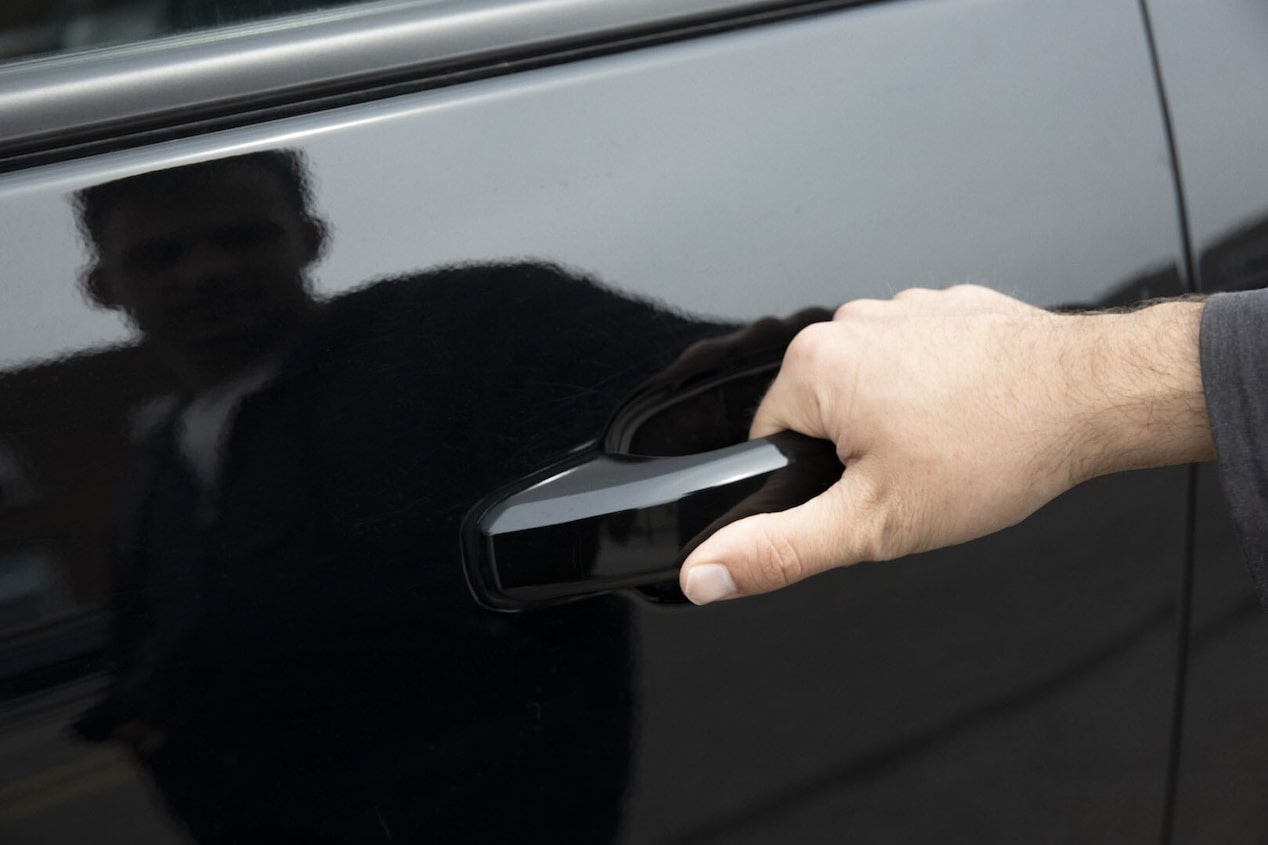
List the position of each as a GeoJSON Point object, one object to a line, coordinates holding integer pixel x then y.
{"type": "Point", "coordinates": [599, 522]}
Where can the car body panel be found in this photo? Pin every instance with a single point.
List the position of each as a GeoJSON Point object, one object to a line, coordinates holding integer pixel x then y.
{"type": "Point", "coordinates": [1016, 688]}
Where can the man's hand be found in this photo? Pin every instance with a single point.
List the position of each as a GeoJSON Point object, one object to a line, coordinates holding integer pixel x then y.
{"type": "Point", "coordinates": [958, 413]}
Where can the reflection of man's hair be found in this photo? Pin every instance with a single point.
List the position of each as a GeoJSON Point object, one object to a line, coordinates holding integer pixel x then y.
{"type": "Point", "coordinates": [93, 205]}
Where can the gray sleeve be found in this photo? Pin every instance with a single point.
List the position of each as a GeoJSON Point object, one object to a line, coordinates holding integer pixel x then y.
{"type": "Point", "coordinates": [1234, 357]}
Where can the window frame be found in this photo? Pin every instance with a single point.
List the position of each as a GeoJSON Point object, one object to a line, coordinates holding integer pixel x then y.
{"type": "Point", "coordinates": [65, 106]}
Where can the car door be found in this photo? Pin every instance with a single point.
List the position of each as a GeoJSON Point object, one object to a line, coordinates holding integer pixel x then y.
{"type": "Point", "coordinates": [514, 216]}
{"type": "Point", "coordinates": [1223, 749]}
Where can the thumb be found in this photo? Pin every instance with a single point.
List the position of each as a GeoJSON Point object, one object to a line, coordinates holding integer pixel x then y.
{"type": "Point", "coordinates": [772, 550]}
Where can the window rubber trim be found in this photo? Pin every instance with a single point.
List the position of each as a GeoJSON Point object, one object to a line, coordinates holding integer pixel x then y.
{"type": "Point", "coordinates": [66, 107]}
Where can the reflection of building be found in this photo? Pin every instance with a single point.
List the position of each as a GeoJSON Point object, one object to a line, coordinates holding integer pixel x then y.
{"type": "Point", "coordinates": [1239, 260]}
{"type": "Point", "coordinates": [65, 431]}
{"type": "Point", "coordinates": [1149, 284]}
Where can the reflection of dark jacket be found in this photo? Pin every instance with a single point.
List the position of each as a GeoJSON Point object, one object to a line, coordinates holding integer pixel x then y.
{"type": "Point", "coordinates": [317, 604]}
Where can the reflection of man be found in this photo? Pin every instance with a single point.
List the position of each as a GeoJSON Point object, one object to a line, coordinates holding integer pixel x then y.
{"type": "Point", "coordinates": [211, 268]}
{"type": "Point", "coordinates": [297, 658]}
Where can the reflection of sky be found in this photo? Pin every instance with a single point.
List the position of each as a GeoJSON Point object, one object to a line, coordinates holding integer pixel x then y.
{"type": "Point", "coordinates": [1215, 54]}
{"type": "Point", "coordinates": [1011, 143]}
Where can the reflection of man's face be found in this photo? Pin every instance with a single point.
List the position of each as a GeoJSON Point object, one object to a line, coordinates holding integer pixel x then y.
{"type": "Point", "coordinates": [213, 268]}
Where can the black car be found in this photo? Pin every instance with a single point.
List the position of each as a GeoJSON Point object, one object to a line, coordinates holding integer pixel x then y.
{"type": "Point", "coordinates": [366, 369]}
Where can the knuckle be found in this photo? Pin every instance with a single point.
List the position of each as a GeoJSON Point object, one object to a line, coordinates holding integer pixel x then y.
{"type": "Point", "coordinates": [972, 292]}
{"type": "Point", "coordinates": [856, 309]}
{"type": "Point", "coordinates": [807, 347]}
{"type": "Point", "coordinates": [778, 561]}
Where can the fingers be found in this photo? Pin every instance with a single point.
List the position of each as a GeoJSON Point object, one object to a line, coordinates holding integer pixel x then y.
{"type": "Point", "coordinates": [769, 551]}
{"type": "Point", "coordinates": [794, 400]}
{"type": "Point", "coordinates": [784, 407]}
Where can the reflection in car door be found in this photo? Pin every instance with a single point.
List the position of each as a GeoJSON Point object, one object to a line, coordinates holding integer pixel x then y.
{"type": "Point", "coordinates": [284, 358]}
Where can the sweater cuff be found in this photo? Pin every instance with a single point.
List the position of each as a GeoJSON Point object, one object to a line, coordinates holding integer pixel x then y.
{"type": "Point", "coordinates": [1233, 343]}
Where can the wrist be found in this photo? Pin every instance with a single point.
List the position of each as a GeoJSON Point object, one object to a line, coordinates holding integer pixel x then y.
{"type": "Point", "coordinates": [1136, 390]}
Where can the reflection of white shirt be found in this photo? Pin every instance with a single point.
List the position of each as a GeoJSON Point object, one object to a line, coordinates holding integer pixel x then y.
{"type": "Point", "coordinates": [204, 426]}
{"type": "Point", "coordinates": [15, 487]}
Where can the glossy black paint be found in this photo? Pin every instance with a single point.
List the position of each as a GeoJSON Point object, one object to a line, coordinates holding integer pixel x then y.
{"type": "Point", "coordinates": [333, 677]}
